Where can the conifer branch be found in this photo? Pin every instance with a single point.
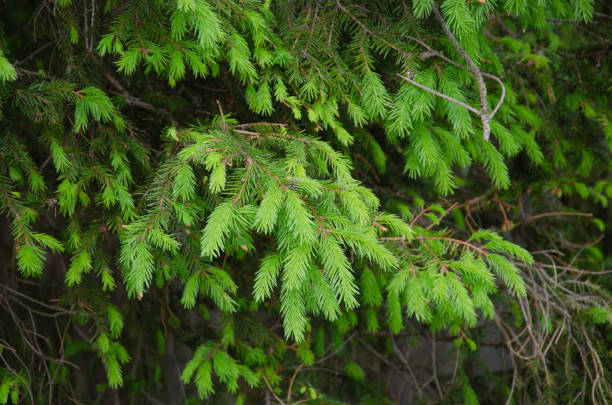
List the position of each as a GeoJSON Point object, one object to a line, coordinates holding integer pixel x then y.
{"type": "Point", "coordinates": [432, 52]}
{"type": "Point", "coordinates": [485, 117]}
{"type": "Point", "coordinates": [483, 113]}
{"type": "Point", "coordinates": [436, 93]}
{"type": "Point", "coordinates": [129, 99]}
{"type": "Point", "coordinates": [277, 209]}
{"type": "Point", "coordinates": [290, 389]}
{"type": "Point", "coordinates": [271, 390]}
{"type": "Point", "coordinates": [367, 30]}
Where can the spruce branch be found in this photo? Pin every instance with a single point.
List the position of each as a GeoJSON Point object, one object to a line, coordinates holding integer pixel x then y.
{"type": "Point", "coordinates": [436, 93]}
{"type": "Point", "coordinates": [367, 30]}
{"type": "Point", "coordinates": [129, 99]}
{"type": "Point", "coordinates": [432, 52]}
{"type": "Point", "coordinates": [484, 114]}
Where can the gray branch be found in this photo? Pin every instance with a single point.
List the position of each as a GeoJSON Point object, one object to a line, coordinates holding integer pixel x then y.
{"type": "Point", "coordinates": [444, 96]}
{"type": "Point", "coordinates": [432, 52]}
{"type": "Point", "coordinates": [485, 117]}
{"type": "Point", "coordinates": [483, 113]}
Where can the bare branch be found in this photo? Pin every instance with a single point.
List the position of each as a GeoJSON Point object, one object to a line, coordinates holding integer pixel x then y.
{"type": "Point", "coordinates": [271, 390]}
{"type": "Point", "coordinates": [295, 374]}
{"type": "Point", "coordinates": [485, 117]}
{"type": "Point", "coordinates": [432, 52]}
{"type": "Point", "coordinates": [129, 99]}
{"type": "Point", "coordinates": [483, 113]}
{"type": "Point", "coordinates": [444, 96]}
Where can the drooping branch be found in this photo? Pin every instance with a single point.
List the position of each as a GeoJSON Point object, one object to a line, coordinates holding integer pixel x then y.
{"type": "Point", "coordinates": [441, 95]}
{"type": "Point", "coordinates": [484, 114]}
{"type": "Point", "coordinates": [432, 52]}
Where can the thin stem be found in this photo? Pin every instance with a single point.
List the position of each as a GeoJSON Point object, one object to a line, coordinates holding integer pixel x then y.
{"type": "Point", "coordinates": [295, 373]}
{"type": "Point", "coordinates": [280, 401]}
{"type": "Point", "coordinates": [485, 117]}
{"type": "Point", "coordinates": [436, 93]}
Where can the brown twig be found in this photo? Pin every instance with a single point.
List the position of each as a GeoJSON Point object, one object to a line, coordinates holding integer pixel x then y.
{"type": "Point", "coordinates": [129, 99]}
{"type": "Point", "coordinates": [280, 401]}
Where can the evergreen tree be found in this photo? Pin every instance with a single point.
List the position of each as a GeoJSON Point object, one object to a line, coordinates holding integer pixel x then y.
{"type": "Point", "coordinates": [273, 200]}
